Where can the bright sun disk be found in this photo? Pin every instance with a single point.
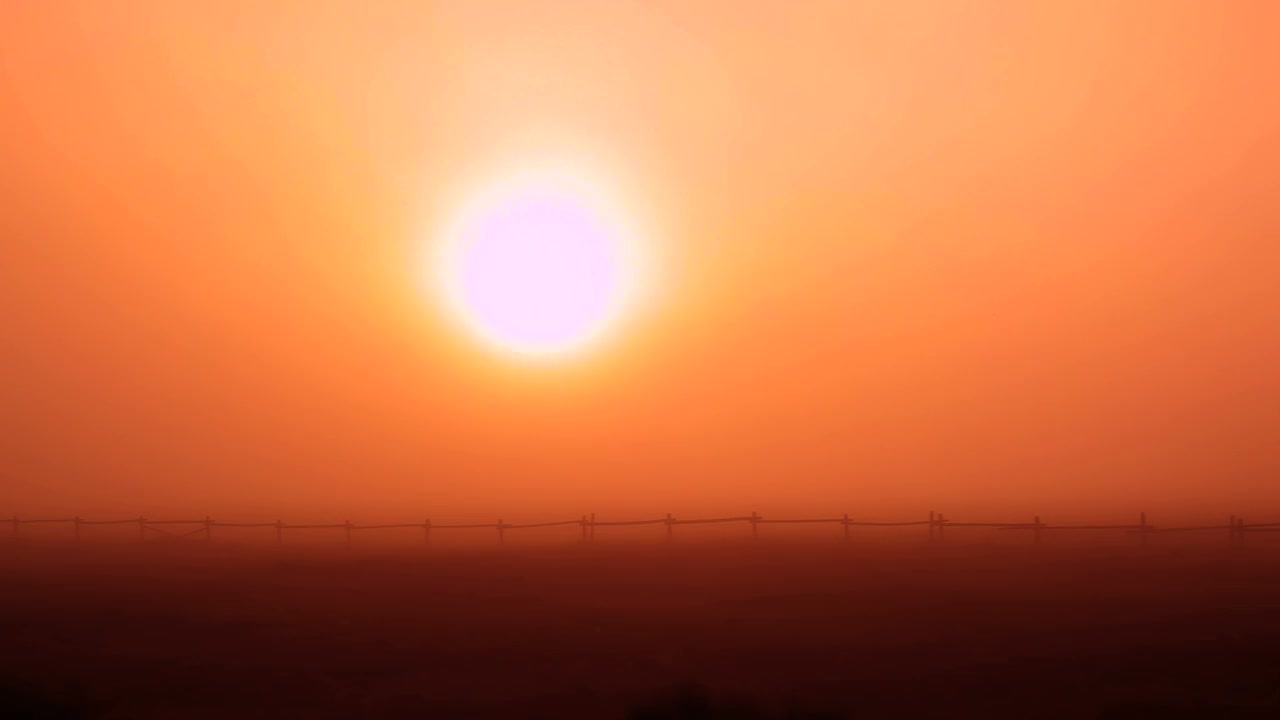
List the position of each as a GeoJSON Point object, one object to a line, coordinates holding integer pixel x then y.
{"type": "Point", "coordinates": [539, 265]}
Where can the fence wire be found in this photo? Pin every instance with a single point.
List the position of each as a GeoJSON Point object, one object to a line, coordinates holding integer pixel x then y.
{"type": "Point", "coordinates": [937, 522]}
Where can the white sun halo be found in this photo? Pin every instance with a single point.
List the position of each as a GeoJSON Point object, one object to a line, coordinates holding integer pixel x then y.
{"type": "Point", "coordinates": [538, 264]}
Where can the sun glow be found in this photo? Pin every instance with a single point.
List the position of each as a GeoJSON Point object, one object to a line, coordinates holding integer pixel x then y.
{"type": "Point", "coordinates": [540, 264]}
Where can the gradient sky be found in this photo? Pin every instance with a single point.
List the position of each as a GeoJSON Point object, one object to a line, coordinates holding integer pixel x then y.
{"type": "Point", "coordinates": [979, 256]}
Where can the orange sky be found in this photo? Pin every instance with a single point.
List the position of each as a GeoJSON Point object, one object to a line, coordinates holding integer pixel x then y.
{"type": "Point", "coordinates": [981, 256]}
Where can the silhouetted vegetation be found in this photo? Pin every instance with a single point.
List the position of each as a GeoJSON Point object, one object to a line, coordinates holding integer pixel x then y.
{"type": "Point", "coordinates": [691, 701]}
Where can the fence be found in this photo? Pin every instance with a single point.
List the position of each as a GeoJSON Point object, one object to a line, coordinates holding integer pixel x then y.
{"type": "Point", "coordinates": [936, 523]}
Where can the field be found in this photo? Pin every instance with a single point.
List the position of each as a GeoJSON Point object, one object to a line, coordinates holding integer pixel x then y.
{"type": "Point", "coordinates": [639, 630]}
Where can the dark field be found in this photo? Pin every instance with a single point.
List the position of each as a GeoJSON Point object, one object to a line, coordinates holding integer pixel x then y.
{"type": "Point", "coordinates": [741, 630]}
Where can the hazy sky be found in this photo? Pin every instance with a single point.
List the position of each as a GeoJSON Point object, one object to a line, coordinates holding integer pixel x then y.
{"type": "Point", "coordinates": [982, 256]}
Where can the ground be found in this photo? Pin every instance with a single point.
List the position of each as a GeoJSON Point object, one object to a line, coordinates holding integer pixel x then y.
{"type": "Point", "coordinates": [637, 630]}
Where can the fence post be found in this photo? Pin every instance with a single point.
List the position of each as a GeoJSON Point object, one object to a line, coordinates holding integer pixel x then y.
{"type": "Point", "coordinates": [279, 532]}
{"type": "Point", "coordinates": [931, 526]}
{"type": "Point", "coordinates": [1037, 531]}
{"type": "Point", "coordinates": [208, 529]}
{"type": "Point", "coordinates": [347, 527]}
{"type": "Point", "coordinates": [502, 537]}
{"type": "Point", "coordinates": [142, 529]}
{"type": "Point", "coordinates": [426, 532]}
{"type": "Point", "coordinates": [755, 525]}
{"type": "Point", "coordinates": [1142, 528]}
{"type": "Point", "coordinates": [669, 523]}
{"type": "Point", "coordinates": [76, 524]}
{"type": "Point", "coordinates": [845, 521]}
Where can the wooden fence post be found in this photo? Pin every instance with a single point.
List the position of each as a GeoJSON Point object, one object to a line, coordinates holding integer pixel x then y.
{"type": "Point", "coordinates": [347, 527]}
{"type": "Point", "coordinates": [502, 537]}
{"type": "Point", "coordinates": [669, 523]}
{"type": "Point", "coordinates": [845, 521]}
{"type": "Point", "coordinates": [142, 529]}
{"type": "Point", "coordinates": [1037, 531]}
{"type": "Point", "coordinates": [931, 533]}
{"type": "Point", "coordinates": [279, 532]}
{"type": "Point", "coordinates": [426, 532]}
{"type": "Point", "coordinates": [76, 524]}
{"type": "Point", "coordinates": [755, 526]}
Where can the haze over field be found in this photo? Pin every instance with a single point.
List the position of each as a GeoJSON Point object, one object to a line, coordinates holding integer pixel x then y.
{"type": "Point", "coordinates": [982, 256]}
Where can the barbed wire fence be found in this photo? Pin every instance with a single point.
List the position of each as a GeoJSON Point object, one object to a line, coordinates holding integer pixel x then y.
{"type": "Point", "coordinates": [936, 524]}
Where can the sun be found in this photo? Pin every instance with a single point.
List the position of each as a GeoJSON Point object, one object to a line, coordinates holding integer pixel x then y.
{"type": "Point", "coordinates": [539, 264]}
